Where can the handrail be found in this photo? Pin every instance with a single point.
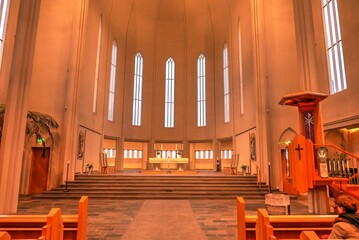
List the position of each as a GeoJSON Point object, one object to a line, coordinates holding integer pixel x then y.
{"type": "Point", "coordinates": [259, 175]}
{"type": "Point", "coordinates": [353, 177]}
{"type": "Point", "coordinates": [339, 149]}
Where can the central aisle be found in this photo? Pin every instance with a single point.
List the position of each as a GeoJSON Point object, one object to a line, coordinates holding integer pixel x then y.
{"type": "Point", "coordinates": [168, 220]}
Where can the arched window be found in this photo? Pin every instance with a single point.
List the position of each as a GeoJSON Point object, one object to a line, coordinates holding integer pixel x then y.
{"type": "Point", "coordinates": [137, 91]}
{"type": "Point", "coordinates": [4, 8]}
{"type": "Point", "coordinates": [226, 83]}
{"type": "Point", "coordinates": [111, 98]}
{"type": "Point", "coordinates": [240, 69]}
{"type": "Point", "coordinates": [170, 94]}
{"type": "Point", "coordinates": [201, 91]}
{"type": "Point", "coordinates": [333, 37]}
{"type": "Point", "coordinates": [94, 103]}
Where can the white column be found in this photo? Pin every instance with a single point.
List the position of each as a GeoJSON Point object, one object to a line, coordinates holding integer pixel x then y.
{"type": "Point", "coordinates": [12, 143]}
{"type": "Point", "coordinates": [260, 83]}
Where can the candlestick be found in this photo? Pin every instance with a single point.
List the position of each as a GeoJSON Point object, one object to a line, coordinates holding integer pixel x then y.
{"type": "Point", "coordinates": [348, 170]}
{"type": "Point", "coordinates": [67, 175]}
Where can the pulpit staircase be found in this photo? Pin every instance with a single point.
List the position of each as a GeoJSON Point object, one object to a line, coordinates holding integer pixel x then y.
{"type": "Point", "coordinates": [130, 186]}
{"type": "Point", "coordinates": [343, 175]}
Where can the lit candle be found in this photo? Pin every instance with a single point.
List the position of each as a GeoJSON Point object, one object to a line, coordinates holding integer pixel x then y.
{"type": "Point", "coordinates": [68, 162]}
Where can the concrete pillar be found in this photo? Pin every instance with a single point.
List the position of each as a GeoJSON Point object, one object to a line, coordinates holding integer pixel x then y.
{"type": "Point", "coordinates": [318, 201]}
{"type": "Point", "coordinates": [12, 143]}
{"type": "Point", "coordinates": [260, 83]}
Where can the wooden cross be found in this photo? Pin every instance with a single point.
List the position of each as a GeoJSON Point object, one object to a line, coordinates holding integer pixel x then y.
{"type": "Point", "coordinates": [299, 149]}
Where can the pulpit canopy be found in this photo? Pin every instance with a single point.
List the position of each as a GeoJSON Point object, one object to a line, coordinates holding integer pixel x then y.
{"type": "Point", "coordinates": [302, 98]}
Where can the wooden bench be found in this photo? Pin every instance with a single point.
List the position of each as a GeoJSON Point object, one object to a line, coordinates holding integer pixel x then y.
{"type": "Point", "coordinates": [53, 230]}
{"type": "Point", "coordinates": [283, 226]}
{"type": "Point", "coordinates": [308, 235]}
{"type": "Point", "coordinates": [4, 236]}
{"type": "Point", "coordinates": [32, 226]}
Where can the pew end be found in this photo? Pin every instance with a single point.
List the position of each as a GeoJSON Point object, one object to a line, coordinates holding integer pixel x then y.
{"type": "Point", "coordinates": [82, 218]}
{"type": "Point", "coordinates": [264, 226]}
{"type": "Point", "coordinates": [4, 236]}
{"type": "Point", "coordinates": [54, 225]}
{"type": "Point", "coordinates": [308, 235]}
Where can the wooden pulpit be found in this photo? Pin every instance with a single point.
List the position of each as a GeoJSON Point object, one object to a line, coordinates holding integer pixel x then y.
{"type": "Point", "coordinates": [303, 166]}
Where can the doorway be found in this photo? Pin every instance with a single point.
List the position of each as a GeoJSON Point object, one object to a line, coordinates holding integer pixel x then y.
{"type": "Point", "coordinates": [39, 170]}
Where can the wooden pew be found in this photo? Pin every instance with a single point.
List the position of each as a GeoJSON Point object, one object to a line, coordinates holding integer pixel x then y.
{"type": "Point", "coordinates": [33, 226]}
{"type": "Point", "coordinates": [308, 235]}
{"type": "Point", "coordinates": [53, 229]}
{"type": "Point", "coordinates": [4, 236]}
{"type": "Point", "coordinates": [284, 226]}
{"type": "Point", "coordinates": [291, 226]}
{"type": "Point", "coordinates": [246, 224]}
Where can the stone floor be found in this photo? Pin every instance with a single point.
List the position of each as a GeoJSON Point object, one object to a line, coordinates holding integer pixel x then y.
{"type": "Point", "coordinates": [114, 219]}
{"type": "Point", "coordinates": [156, 219]}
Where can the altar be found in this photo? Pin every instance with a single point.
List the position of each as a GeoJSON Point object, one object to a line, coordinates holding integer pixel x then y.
{"type": "Point", "coordinates": [168, 163]}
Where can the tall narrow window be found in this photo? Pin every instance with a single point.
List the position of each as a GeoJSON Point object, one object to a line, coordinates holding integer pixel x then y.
{"type": "Point", "coordinates": [201, 91]}
{"type": "Point", "coordinates": [334, 46]}
{"type": "Point", "coordinates": [170, 94]}
{"type": "Point", "coordinates": [3, 19]}
{"type": "Point", "coordinates": [240, 69]}
{"type": "Point", "coordinates": [226, 83]}
{"type": "Point", "coordinates": [137, 91]}
{"type": "Point", "coordinates": [94, 103]}
{"type": "Point", "coordinates": [111, 98]}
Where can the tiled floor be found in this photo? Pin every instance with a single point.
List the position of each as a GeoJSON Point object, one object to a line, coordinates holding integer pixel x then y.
{"type": "Point", "coordinates": [153, 219]}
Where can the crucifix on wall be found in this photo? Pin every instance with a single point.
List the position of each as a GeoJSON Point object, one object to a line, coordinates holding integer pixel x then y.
{"type": "Point", "coordinates": [299, 149]}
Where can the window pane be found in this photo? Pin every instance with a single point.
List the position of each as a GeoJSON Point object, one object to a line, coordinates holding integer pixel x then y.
{"type": "Point", "coordinates": [137, 91]}
{"type": "Point", "coordinates": [169, 93]}
{"type": "Point", "coordinates": [226, 84]}
{"type": "Point", "coordinates": [111, 101]}
{"type": "Point", "coordinates": [201, 91]}
{"type": "Point", "coordinates": [336, 67]}
{"type": "Point", "coordinates": [94, 103]}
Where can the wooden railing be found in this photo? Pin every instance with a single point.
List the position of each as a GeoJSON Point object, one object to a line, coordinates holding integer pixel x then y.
{"type": "Point", "coordinates": [340, 163]}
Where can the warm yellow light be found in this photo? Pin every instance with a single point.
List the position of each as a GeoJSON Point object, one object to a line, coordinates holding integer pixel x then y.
{"type": "Point", "coordinates": [353, 130]}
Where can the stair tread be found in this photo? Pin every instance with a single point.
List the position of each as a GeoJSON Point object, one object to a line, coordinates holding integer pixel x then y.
{"type": "Point", "coordinates": [114, 186]}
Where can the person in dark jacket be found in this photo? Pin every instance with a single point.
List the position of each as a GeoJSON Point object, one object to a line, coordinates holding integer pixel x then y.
{"type": "Point", "coordinates": [346, 225]}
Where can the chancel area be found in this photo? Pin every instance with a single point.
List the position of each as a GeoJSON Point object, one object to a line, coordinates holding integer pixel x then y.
{"type": "Point", "coordinates": [264, 90]}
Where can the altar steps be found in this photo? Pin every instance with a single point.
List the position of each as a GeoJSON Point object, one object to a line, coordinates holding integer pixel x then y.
{"type": "Point", "coordinates": [159, 187]}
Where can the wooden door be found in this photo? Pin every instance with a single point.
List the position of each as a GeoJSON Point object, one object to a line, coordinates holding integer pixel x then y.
{"type": "Point", "coordinates": [38, 171]}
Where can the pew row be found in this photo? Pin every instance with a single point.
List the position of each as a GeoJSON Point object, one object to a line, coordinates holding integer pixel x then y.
{"type": "Point", "coordinates": [283, 226]}
{"type": "Point", "coordinates": [4, 236]}
{"type": "Point", "coordinates": [53, 230]}
{"type": "Point", "coordinates": [36, 226]}
{"type": "Point", "coordinates": [308, 235]}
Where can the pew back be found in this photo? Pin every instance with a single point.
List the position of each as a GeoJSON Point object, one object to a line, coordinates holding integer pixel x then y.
{"type": "Point", "coordinates": [291, 226]}
{"type": "Point", "coordinates": [308, 235]}
{"type": "Point", "coordinates": [33, 226]}
{"type": "Point", "coordinates": [284, 226]}
{"type": "Point", "coordinates": [4, 236]}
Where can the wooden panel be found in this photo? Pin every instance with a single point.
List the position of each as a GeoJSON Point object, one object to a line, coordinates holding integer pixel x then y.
{"type": "Point", "coordinates": [38, 171]}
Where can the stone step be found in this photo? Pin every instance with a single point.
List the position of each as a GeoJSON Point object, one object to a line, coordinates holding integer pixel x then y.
{"type": "Point", "coordinates": [154, 184]}
{"type": "Point", "coordinates": [122, 186]}
{"type": "Point", "coordinates": [161, 190]}
{"type": "Point", "coordinates": [145, 197]}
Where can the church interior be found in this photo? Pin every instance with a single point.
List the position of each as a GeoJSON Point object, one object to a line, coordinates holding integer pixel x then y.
{"type": "Point", "coordinates": [263, 89]}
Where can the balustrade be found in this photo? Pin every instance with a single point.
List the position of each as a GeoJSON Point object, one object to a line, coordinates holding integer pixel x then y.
{"type": "Point", "coordinates": [340, 163]}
